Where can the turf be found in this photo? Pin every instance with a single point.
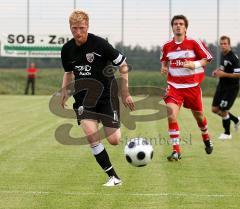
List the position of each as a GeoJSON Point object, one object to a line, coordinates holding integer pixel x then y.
{"type": "Point", "coordinates": [36, 171]}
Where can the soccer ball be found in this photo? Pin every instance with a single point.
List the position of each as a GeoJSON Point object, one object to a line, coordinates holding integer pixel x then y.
{"type": "Point", "coordinates": [138, 152]}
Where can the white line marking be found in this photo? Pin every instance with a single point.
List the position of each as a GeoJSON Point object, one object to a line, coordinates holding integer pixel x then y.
{"type": "Point", "coordinates": [112, 194]}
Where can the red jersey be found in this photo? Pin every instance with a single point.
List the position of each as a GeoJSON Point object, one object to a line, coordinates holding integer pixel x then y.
{"type": "Point", "coordinates": [176, 54]}
{"type": "Point", "coordinates": [32, 72]}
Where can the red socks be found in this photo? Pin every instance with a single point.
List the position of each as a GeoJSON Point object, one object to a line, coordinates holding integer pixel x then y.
{"type": "Point", "coordinates": [204, 129]}
{"type": "Point", "coordinates": [173, 131]}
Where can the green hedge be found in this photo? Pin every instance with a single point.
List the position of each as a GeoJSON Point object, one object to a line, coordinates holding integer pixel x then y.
{"type": "Point", "coordinates": [49, 81]}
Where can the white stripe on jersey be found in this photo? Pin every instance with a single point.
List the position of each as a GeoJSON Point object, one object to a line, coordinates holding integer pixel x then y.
{"type": "Point", "coordinates": [97, 54]}
{"type": "Point", "coordinates": [209, 56]}
{"type": "Point", "coordinates": [237, 70]}
{"type": "Point", "coordinates": [181, 54]}
{"type": "Point", "coordinates": [182, 86]}
{"type": "Point", "coordinates": [118, 59]}
{"type": "Point", "coordinates": [185, 71]}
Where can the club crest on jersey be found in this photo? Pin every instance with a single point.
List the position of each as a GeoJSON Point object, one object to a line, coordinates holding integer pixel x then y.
{"type": "Point", "coordinates": [90, 57]}
{"type": "Point", "coordinates": [226, 62]}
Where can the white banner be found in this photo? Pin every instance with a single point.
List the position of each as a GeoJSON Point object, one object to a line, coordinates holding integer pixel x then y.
{"type": "Point", "coordinates": [22, 45]}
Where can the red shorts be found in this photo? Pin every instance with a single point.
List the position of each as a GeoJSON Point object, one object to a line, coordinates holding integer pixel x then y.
{"type": "Point", "coordinates": [190, 97]}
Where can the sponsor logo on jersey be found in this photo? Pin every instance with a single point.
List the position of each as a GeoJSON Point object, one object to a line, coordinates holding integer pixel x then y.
{"type": "Point", "coordinates": [177, 63]}
{"type": "Point", "coordinates": [90, 57]}
{"type": "Point", "coordinates": [83, 69]}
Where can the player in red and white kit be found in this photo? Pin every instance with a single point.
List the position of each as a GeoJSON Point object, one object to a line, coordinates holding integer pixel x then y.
{"type": "Point", "coordinates": [183, 60]}
{"type": "Point", "coordinates": [31, 77]}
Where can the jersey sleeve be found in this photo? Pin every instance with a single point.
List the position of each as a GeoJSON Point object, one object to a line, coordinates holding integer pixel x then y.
{"type": "Point", "coordinates": [65, 62]}
{"type": "Point", "coordinates": [163, 57]}
{"type": "Point", "coordinates": [201, 51]}
{"type": "Point", "coordinates": [112, 54]}
{"type": "Point", "coordinates": [235, 62]}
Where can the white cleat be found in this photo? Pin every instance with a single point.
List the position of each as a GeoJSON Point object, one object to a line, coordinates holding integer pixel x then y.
{"type": "Point", "coordinates": [225, 136]}
{"type": "Point", "coordinates": [113, 181]}
{"type": "Point", "coordinates": [237, 125]}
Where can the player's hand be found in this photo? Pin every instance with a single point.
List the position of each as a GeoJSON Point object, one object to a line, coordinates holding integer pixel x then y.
{"type": "Point", "coordinates": [214, 73]}
{"type": "Point", "coordinates": [219, 73]}
{"type": "Point", "coordinates": [164, 70]}
{"type": "Point", "coordinates": [189, 65]}
{"type": "Point", "coordinates": [128, 102]}
{"type": "Point", "coordinates": [64, 98]}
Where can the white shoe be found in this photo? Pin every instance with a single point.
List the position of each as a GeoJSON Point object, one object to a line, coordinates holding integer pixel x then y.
{"type": "Point", "coordinates": [237, 125]}
{"type": "Point", "coordinates": [225, 136]}
{"type": "Point", "coordinates": [113, 181]}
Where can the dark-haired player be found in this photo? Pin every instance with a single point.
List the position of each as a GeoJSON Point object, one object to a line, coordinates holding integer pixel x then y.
{"type": "Point", "coordinates": [184, 60]}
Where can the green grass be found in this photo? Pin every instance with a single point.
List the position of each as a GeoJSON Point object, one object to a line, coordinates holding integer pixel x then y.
{"type": "Point", "coordinates": [49, 81]}
{"type": "Point", "coordinates": [38, 172]}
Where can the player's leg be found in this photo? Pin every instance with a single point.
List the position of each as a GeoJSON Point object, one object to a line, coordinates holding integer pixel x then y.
{"type": "Point", "coordinates": [173, 102]}
{"type": "Point", "coordinates": [226, 122]}
{"type": "Point", "coordinates": [222, 102]}
{"type": "Point", "coordinates": [216, 102]}
{"type": "Point", "coordinates": [113, 136]}
{"type": "Point", "coordinates": [90, 128]}
{"type": "Point", "coordinates": [232, 117]}
{"type": "Point", "coordinates": [202, 124]}
{"type": "Point", "coordinates": [111, 123]}
{"type": "Point", "coordinates": [219, 107]}
{"type": "Point", "coordinates": [33, 86]}
{"type": "Point", "coordinates": [173, 130]}
{"type": "Point", "coordinates": [236, 121]}
{"type": "Point", "coordinates": [193, 101]}
{"type": "Point", "coordinates": [225, 115]}
{"type": "Point", "coordinates": [216, 110]}
{"type": "Point", "coordinates": [27, 86]}
{"type": "Point", "coordinates": [227, 100]}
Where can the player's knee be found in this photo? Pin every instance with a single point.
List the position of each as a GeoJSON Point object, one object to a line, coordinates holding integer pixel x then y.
{"type": "Point", "coordinates": [91, 134]}
{"type": "Point", "coordinates": [172, 118]}
{"type": "Point", "coordinates": [215, 110]}
{"type": "Point", "coordinates": [114, 139]}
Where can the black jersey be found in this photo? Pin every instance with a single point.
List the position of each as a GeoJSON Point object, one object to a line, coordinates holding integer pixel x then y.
{"type": "Point", "coordinates": [229, 64]}
{"type": "Point", "coordinates": [89, 61]}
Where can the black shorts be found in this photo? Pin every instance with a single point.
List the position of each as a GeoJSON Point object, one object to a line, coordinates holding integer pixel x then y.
{"type": "Point", "coordinates": [224, 98]}
{"type": "Point", "coordinates": [105, 111]}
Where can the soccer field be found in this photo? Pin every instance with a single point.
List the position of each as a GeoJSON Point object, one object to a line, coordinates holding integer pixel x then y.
{"type": "Point", "coordinates": [36, 171]}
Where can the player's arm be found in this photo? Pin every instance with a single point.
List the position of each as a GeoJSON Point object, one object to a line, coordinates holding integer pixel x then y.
{"type": "Point", "coordinates": [118, 59]}
{"type": "Point", "coordinates": [221, 74]}
{"type": "Point", "coordinates": [164, 69]}
{"type": "Point", "coordinates": [126, 97]}
{"type": "Point", "coordinates": [203, 56]}
{"type": "Point", "coordinates": [164, 61]}
{"type": "Point", "coordinates": [67, 79]}
{"type": "Point", "coordinates": [195, 64]}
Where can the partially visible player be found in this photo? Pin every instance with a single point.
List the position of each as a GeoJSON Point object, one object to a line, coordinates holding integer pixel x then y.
{"type": "Point", "coordinates": [31, 78]}
{"type": "Point", "coordinates": [85, 57]}
{"type": "Point", "coordinates": [227, 88]}
{"type": "Point", "coordinates": [183, 60]}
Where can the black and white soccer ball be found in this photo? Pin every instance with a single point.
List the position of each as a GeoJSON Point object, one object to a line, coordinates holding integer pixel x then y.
{"type": "Point", "coordinates": [138, 152]}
